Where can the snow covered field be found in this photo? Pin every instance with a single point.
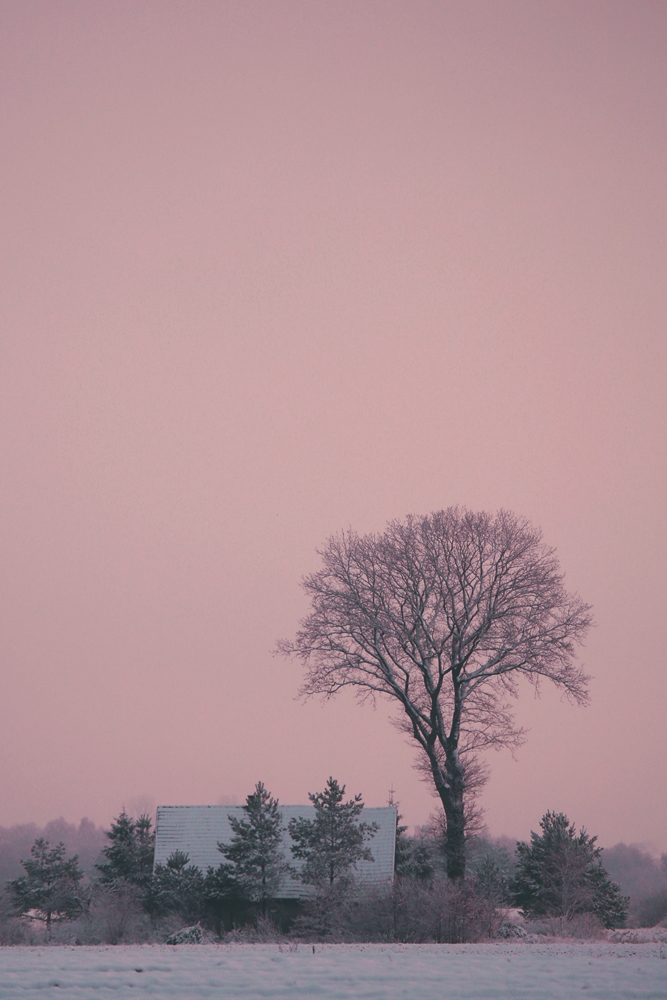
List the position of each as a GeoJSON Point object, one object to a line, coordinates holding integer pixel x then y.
{"type": "Point", "coordinates": [334, 972]}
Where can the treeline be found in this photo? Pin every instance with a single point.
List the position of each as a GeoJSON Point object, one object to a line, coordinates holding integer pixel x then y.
{"type": "Point", "coordinates": [558, 880]}
{"type": "Point", "coordinates": [84, 839]}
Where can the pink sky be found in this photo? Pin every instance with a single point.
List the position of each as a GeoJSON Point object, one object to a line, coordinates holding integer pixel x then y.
{"type": "Point", "coordinates": [274, 269]}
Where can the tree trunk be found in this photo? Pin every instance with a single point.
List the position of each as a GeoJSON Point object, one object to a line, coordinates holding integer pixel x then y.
{"type": "Point", "coordinates": [450, 786]}
{"type": "Point", "coordinates": [263, 899]}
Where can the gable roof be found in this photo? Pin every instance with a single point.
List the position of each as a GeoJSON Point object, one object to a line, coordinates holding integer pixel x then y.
{"type": "Point", "coordinates": [197, 830]}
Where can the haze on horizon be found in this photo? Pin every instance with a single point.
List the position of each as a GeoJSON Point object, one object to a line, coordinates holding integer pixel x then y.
{"type": "Point", "coordinates": [273, 270]}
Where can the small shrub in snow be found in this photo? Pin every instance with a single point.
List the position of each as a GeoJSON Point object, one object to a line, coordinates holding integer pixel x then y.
{"type": "Point", "coordinates": [640, 935]}
{"type": "Point", "coordinates": [585, 926]}
{"type": "Point", "coordinates": [187, 935]}
{"type": "Point", "coordinates": [264, 931]}
{"type": "Point", "coordinates": [509, 930]}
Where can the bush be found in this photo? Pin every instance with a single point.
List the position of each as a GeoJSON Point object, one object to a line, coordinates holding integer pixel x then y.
{"type": "Point", "coordinates": [413, 910]}
{"type": "Point", "coordinates": [14, 930]}
{"type": "Point", "coordinates": [326, 915]}
{"type": "Point", "coordinates": [116, 916]}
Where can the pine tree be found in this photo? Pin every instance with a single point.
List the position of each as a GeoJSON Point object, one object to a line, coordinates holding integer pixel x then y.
{"type": "Point", "coordinates": [129, 854]}
{"type": "Point", "coordinates": [560, 874]}
{"type": "Point", "coordinates": [51, 884]}
{"type": "Point", "coordinates": [491, 869]}
{"type": "Point", "coordinates": [403, 845]}
{"type": "Point", "coordinates": [256, 848]}
{"type": "Point", "coordinates": [331, 844]}
{"type": "Point", "coordinates": [490, 881]}
{"type": "Point", "coordinates": [413, 857]}
{"type": "Point", "coordinates": [176, 887]}
{"type": "Point", "coordinates": [330, 847]}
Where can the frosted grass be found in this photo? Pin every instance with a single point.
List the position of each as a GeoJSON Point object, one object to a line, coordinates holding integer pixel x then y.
{"type": "Point", "coordinates": [337, 972]}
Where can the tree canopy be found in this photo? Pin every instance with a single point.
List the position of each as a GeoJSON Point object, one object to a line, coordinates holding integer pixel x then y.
{"type": "Point", "coordinates": [443, 614]}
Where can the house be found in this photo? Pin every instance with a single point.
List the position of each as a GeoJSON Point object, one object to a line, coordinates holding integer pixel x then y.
{"type": "Point", "coordinates": [197, 830]}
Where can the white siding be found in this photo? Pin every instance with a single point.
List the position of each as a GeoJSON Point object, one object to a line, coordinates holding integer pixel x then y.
{"type": "Point", "coordinates": [198, 829]}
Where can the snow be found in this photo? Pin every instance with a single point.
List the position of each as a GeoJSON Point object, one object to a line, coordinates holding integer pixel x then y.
{"type": "Point", "coordinates": [337, 972]}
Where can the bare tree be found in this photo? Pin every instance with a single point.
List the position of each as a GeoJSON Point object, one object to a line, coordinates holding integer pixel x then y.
{"type": "Point", "coordinates": [443, 613]}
